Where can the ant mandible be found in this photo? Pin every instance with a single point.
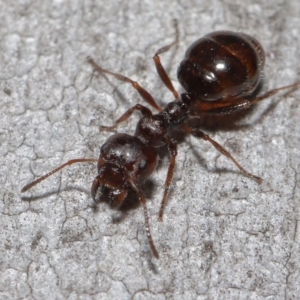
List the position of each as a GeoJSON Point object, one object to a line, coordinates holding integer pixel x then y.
{"type": "Point", "coordinates": [220, 74]}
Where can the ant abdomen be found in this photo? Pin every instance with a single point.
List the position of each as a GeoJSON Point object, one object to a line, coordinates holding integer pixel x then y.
{"type": "Point", "coordinates": [222, 64]}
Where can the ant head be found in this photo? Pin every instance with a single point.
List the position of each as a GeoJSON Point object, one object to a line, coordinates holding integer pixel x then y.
{"type": "Point", "coordinates": [110, 185]}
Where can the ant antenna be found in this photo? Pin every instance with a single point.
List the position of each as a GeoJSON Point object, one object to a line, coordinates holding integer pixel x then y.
{"type": "Point", "coordinates": [70, 162]}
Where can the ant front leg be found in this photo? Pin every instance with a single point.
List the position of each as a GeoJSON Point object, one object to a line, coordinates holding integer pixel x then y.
{"type": "Point", "coordinates": [144, 94]}
{"type": "Point", "coordinates": [204, 136]}
{"type": "Point", "coordinates": [172, 146]}
{"type": "Point", "coordinates": [159, 67]}
{"type": "Point", "coordinates": [146, 112]}
{"type": "Point", "coordinates": [147, 226]}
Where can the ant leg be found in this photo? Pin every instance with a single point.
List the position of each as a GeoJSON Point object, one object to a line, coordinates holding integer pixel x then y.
{"type": "Point", "coordinates": [234, 104]}
{"type": "Point", "coordinates": [173, 152]}
{"type": "Point", "coordinates": [144, 94]}
{"type": "Point", "coordinates": [70, 162]}
{"type": "Point", "coordinates": [147, 226]}
{"type": "Point", "coordinates": [159, 67]}
{"type": "Point", "coordinates": [275, 91]}
{"type": "Point", "coordinates": [221, 149]}
{"type": "Point", "coordinates": [143, 109]}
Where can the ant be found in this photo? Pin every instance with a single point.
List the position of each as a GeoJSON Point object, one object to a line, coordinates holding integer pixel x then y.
{"type": "Point", "coordinates": [221, 73]}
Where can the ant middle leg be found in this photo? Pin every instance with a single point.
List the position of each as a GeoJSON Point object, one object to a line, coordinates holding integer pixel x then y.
{"type": "Point", "coordinates": [172, 146]}
{"type": "Point", "coordinates": [144, 93]}
{"type": "Point", "coordinates": [221, 149]}
{"type": "Point", "coordinates": [146, 112]}
{"type": "Point", "coordinates": [159, 67]}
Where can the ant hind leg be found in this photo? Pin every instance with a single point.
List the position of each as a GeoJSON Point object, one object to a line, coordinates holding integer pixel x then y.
{"type": "Point", "coordinates": [159, 67]}
{"type": "Point", "coordinates": [221, 149]}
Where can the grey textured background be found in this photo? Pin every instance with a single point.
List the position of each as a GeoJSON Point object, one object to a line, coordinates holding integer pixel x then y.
{"type": "Point", "coordinates": [223, 236]}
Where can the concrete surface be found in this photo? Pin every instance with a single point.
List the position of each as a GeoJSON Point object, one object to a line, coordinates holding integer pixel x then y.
{"type": "Point", "coordinates": [223, 236]}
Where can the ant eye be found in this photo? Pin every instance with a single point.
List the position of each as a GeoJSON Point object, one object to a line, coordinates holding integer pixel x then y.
{"type": "Point", "coordinates": [143, 164]}
{"type": "Point", "coordinates": [99, 193]}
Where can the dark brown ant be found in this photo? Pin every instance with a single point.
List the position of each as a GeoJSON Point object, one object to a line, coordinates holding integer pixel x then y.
{"type": "Point", "coordinates": [220, 74]}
